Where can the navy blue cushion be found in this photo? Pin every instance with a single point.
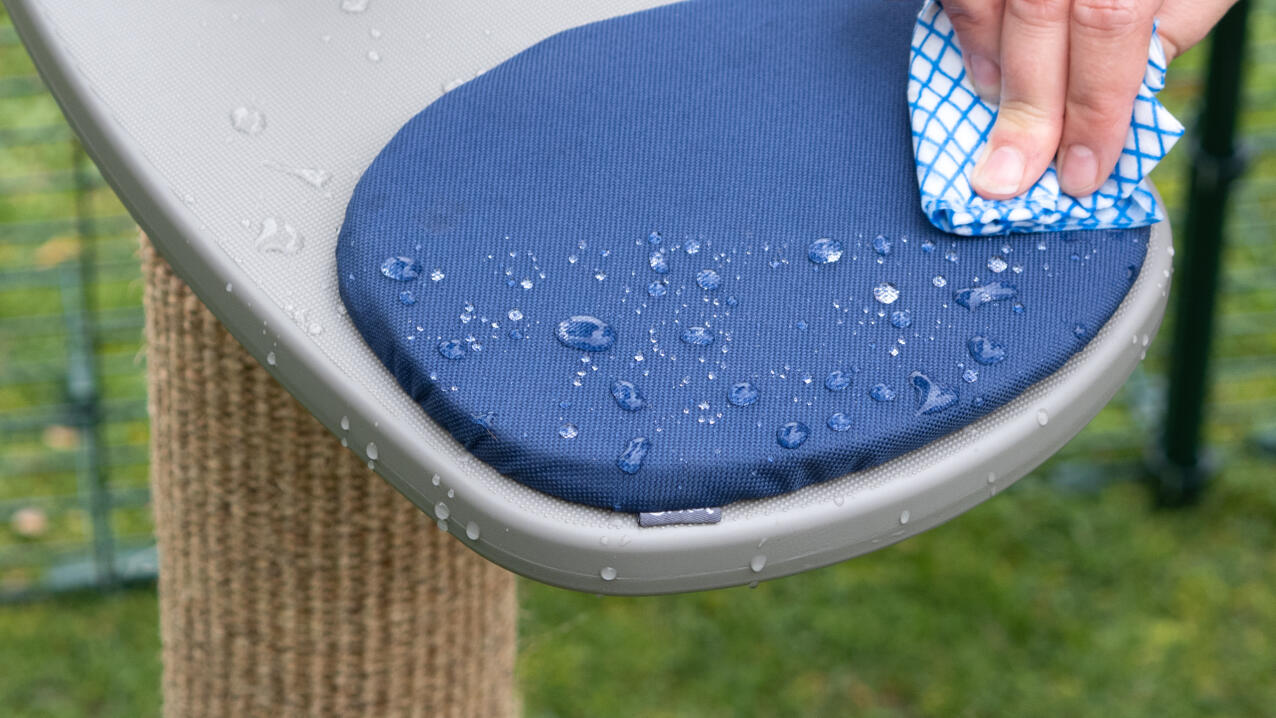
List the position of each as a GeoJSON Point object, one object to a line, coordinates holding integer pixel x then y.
{"type": "Point", "coordinates": [575, 261]}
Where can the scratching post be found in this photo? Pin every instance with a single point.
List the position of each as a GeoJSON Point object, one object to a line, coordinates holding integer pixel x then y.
{"type": "Point", "coordinates": [293, 581]}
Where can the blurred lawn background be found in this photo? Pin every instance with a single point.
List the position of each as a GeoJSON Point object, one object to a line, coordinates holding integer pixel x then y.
{"type": "Point", "coordinates": [1067, 595]}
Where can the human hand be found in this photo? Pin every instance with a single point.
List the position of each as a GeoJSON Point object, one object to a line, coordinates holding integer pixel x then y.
{"type": "Point", "coordinates": [1066, 73]}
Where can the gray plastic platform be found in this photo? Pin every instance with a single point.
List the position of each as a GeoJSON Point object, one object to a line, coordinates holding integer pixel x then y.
{"type": "Point", "coordinates": [218, 121]}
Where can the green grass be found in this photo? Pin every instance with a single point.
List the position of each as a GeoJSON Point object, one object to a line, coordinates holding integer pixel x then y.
{"type": "Point", "coordinates": [1044, 602]}
{"type": "Point", "coordinates": [1068, 595]}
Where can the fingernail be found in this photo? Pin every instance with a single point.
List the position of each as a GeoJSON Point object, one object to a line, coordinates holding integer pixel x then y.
{"type": "Point", "coordinates": [986, 75]}
{"type": "Point", "coordinates": [1000, 172]}
{"type": "Point", "coordinates": [1078, 171]}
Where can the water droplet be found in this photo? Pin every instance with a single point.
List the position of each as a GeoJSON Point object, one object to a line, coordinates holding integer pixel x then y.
{"type": "Point", "coordinates": [985, 350]}
{"type": "Point", "coordinates": [314, 177]}
{"type": "Point", "coordinates": [697, 336]}
{"type": "Point", "coordinates": [997, 264]}
{"type": "Point", "coordinates": [515, 315]}
{"type": "Point", "coordinates": [515, 334]}
{"type": "Point", "coordinates": [453, 349]}
{"type": "Point", "coordinates": [374, 56]}
{"type": "Point", "coordinates": [279, 237]}
{"type": "Point", "coordinates": [757, 563]}
{"type": "Point", "coordinates": [973, 298]}
{"type": "Point", "coordinates": [824, 251]}
{"type": "Point", "coordinates": [951, 256]}
{"type": "Point", "coordinates": [708, 279]}
{"type": "Point", "coordinates": [1080, 331]}
{"type": "Point", "coordinates": [932, 398]}
{"type": "Point", "coordinates": [568, 431]}
{"type": "Point", "coordinates": [627, 395]}
{"type": "Point", "coordinates": [742, 394]}
{"type": "Point", "coordinates": [472, 531]}
{"type": "Point", "coordinates": [928, 246]}
{"type": "Point", "coordinates": [436, 275]}
{"type": "Point", "coordinates": [248, 120]}
{"type": "Point", "coordinates": [372, 451]}
{"type": "Point", "coordinates": [1043, 417]}
{"type": "Point", "coordinates": [406, 297]}
{"type": "Point", "coordinates": [453, 84]}
{"type": "Point", "coordinates": [1017, 308]}
{"type": "Point", "coordinates": [904, 516]}
{"type": "Point", "coordinates": [692, 246]}
{"type": "Point", "coordinates": [401, 269]}
{"type": "Point", "coordinates": [608, 573]}
{"type": "Point", "coordinates": [939, 281]}
{"type": "Point", "coordinates": [586, 333]}
{"type": "Point", "coordinates": [882, 245]}
{"type": "Point", "coordinates": [630, 460]}
{"type": "Point", "coordinates": [659, 262]}
{"type": "Point", "coordinates": [901, 319]}
{"type": "Point", "coordinates": [837, 380]}
{"type": "Point", "coordinates": [657, 289]}
{"type": "Point", "coordinates": [270, 358]}
{"type": "Point", "coordinates": [970, 376]}
{"type": "Point", "coordinates": [886, 293]}
{"type": "Point", "coordinates": [345, 423]}
{"type": "Point", "coordinates": [791, 435]}
{"type": "Point", "coordinates": [354, 6]}
{"type": "Point", "coordinates": [882, 392]}
{"type": "Point", "coordinates": [442, 511]}
{"type": "Point", "coordinates": [839, 421]}
{"type": "Point", "coordinates": [654, 238]}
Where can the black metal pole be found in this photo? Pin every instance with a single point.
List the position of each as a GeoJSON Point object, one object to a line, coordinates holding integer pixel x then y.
{"type": "Point", "coordinates": [1179, 465]}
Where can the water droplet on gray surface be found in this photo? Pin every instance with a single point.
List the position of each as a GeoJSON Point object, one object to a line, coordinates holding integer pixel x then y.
{"type": "Point", "coordinates": [401, 269]}
{"type": "Point", "coordinates": [248, 120]}
{"type": "Point", "coordinates": [697, 336]}
{"type": "Point", "coordinates": [824, 251]}
{"type": "Point", "coordinates": [839, 421]}
{"type": "Point", "coordinates": [406, 297]}
{"type": "Point", "coordinates": [657, 289]}
{"type": "Point", "coordinates": [997, 264]}
{"type": "Point", "coordinates": [627, 395]}
{"type": "Point", "coordinates": [453, 84]}
{"type": "Point", "coordinates": [1043, 417]}
{"type": "Point", "coordinates": [472, 531]}
{"type": "Point", "coordinates": [374, 56]}
{"type": "Point", "coordinates": [276, 236]}
{"type": "Point", "coordinates": [354, 6]}
{"type": "Point", "coordinates": [442, 511]}
{"type": "Point", "coordinates": [886, 293]}
{"type": "Point", "coordinates": [453, 349]}
{"type": "Point", "coordinates": [792, 434]}
{"type": "Point", "coordinates": [757, 563]}
{"type": "Point", "coordinates": [973, 298]}
{"type": "Point", "coordinates": [901, 319]}
{"type": "Point", "coordinates": [932, 398]}
{"type": "Point", "coordinates": [882, 392]}
{"type": "Point", "coordinates": [985, 350]}
{"type": "Point", "coordinates": [270, 358]}
{"type": "Point", "coordinates": [345, 423]}
{"type": "Point", "coordinates": [742, 394]}
{"type": "Point", "coordinates": [882, 244]}
{"type": "Point", "coordinates": [568, 431]}
{"type": "Point", "coordinates": [630, 460]}
{"type": "Point", "coordinates": [586, 333]}
{"type": "Point", "coordinates": [371, 451]}
{"type": "Point", "coordinates": [837, 380]}
{"type": "Point", "coordinates": [708, 279]}
{"type": "Point", "coordinates": [314, 177]}
{"type": "Point", "coordinates": [904, 516]}
{"type": "Point", "coordinates": [608, 573]}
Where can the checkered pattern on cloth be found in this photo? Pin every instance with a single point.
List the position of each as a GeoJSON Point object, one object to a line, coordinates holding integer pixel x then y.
{"type": "Point", "coordinates": [950, 126]}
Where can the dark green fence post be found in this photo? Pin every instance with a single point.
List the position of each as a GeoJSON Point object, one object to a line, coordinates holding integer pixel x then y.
{"type": "Point", "coordinates": [1180, 467]}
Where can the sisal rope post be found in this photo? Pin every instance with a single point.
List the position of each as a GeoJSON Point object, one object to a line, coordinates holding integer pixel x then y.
{"type": "Point", "coordinates": [294, 581]}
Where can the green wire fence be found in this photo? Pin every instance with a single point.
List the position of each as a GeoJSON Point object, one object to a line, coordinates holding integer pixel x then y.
{"type": "Point", "coordinates": [74, 506]}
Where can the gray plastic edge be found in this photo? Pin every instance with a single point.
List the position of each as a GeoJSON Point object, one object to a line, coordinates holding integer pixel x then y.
{"type": "Point", "coordinates": [646, 561]}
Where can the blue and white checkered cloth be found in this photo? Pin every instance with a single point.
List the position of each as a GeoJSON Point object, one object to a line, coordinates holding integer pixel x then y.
{"type": "Point", "coordinates": [951, 124]}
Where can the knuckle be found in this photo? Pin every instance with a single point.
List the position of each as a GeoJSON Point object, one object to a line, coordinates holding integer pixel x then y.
{"type": "Point", "coordinates": [1105, 17]}
{"type": "Point", "coordinates": [1104, 112]}
{"type": "Point", "coordinates": [1038, 13]}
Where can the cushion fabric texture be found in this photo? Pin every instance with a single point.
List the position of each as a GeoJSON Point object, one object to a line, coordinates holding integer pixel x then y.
{"type": "Point", "coordinates": [676, 259]}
